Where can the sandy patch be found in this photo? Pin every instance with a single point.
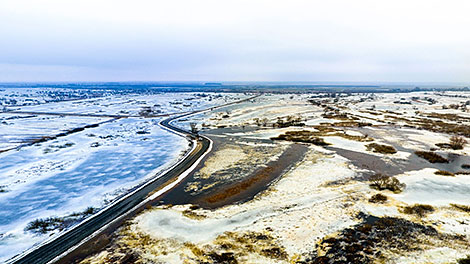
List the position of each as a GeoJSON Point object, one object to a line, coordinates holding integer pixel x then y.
{"type": "Point", "coordinates": [221, 159]}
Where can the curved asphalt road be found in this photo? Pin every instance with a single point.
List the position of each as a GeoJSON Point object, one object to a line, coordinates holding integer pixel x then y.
{"type": "Point", "coordinates": [54, 249]}
{"type": "Point", "coordinates": [51, 249]}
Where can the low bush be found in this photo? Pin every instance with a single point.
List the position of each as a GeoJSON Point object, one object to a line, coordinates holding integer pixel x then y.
{"type": "Point", "coordinates": [378, 198]}
{"type": "Point", "coordinates": [45, 225]}
{"type": "Point", "coordinates": [420, 210]}
{"type": "Point", "coordinates": [444, 173]}
{"type": "Point", "coordinates": [383, 182]}
{"type": "Point", "coordinates": [379, 148]}
{"type": "Point", "coordinates": [457, 142]}
{"type": "Point", "coordinates": [464, 260]}
{"type": "Point", "coordinates": [464, 208]}
{"type": "Point", "coordinates": [465, 166]}
{"type": "Point", "coordinates": [365, 242]}
{"type": "Point", "coordinates": [351, 124]}
{"type": "Point", "coordinates": [431, 157]}
{"type": "Point", "coordinates": [301, 136]}
{"type": "Point", "coordinates": [338, 116]}
{"type": "Point", "coordinates": [444, 145]}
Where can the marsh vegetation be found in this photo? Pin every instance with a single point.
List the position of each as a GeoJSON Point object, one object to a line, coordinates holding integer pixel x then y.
{"type": "Point", "coordinates": [383, 182]}
{"type": "Point", "coordinates": [46, 225]}
{"type": "Point", "coordinates": [431, 157]}
{"type": "Point", "coordinates": [380, 148]}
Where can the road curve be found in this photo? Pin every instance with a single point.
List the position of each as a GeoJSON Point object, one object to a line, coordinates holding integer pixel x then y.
{"type": "Point", "coordinates": [50, 250]}
{"type": "Point", "coordinates": [56, 248]}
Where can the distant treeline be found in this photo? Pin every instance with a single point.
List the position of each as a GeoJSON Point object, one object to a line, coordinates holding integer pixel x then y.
{"type": "Point", "coordinates": [157, 87]}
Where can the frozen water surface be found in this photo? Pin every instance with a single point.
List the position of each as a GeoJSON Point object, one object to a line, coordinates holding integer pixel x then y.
{"type": "Point", "coordinates": [87, 180]}
{"type": "Point", "coordinates": [88, 168]}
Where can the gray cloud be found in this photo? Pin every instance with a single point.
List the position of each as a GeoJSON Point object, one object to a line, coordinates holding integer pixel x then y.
{"type": "Point", "coordinates": [258, 40]}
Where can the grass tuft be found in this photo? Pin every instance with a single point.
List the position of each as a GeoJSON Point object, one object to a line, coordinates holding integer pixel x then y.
{"type": "Point", "coordinates": [431, 157]}
{"type": "Point", "coordinates": [463, 208]}
{"type": "Point", "coordinates": [383, 182]}
{"type": "Point", "coordinates": [464, 260]}
{"type": "Point", "coordinates": [379, 148]}
{"type": "Point", "coordinates": [420, 210]}
{"type": "Point", "coordinates": [444, 173]}
{"type": "Point", "coordinates": [378, 198]}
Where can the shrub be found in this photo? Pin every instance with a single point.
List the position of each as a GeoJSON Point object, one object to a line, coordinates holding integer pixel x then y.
{"type": "Point", "coordinates": [465, 166]}
{"type": "Point", "coordinates": [44, 225]}
{"type": "Point", "coordinates": [318, 141]}
{"type": "Point", "coordinates": [383, 182]}
{"type": "Point", "coordinates": [444, 145]}
{"type": "Point", "coordinates": [431, 157]}
{"type": "Point", "coordinates": [378, 198]}
{"type": "Point", "coordinates": [379, 148]}
{"type": "Point", "coordinates": [288, 121]}
{"type": "Point", "coordinates": [420, 210]}
{"type": "Point", "coordinates": [364, 242]}
{"type": "Point", "coordinates": [464, 260]}
{"type": "Point", "coordinates": [444, 173]}
{"type": "Point", "coordinates": [464, 208]}
{"type": "Point", "coordinates": [301, 136]}
{"type": "Point", "coordinates": [89, 211]}
{"type": "Point", "coordinates": [457, 142]}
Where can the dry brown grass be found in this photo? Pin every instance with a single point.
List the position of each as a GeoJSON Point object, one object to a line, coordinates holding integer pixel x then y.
{"type": "Point", "coordinates": [240, 187]}
{"type": "Point", "coordinates": [352, 137]}
{"type": "Point", "coordinates": [464, 260]}
{"type": "Point", "coordinates": [463, 208]}
{"type": "Point", "coordinates": [313, 137]}
{"type": "Point", "coordinates": [447, 116]}
{"type": "Point", "coordinates": [457, 142]}
{"type": "Point", "coordinates": [351, 124]}
{"type": "Point", "coordinates": [444, 173]}
{"type": "Point", "coordinates": [379, 148]}
{"type": "Point", "coordinates": [383, 182]}
{"type": "Point", "coordinates": [420, 210]}
{"type": "Point", "coordinates": [303, 136]}
{"type": "Point", "coordinates": [338, 116]}
{"type": "Point", "coordinates": [438, 125]}
{"type": "Point", "coordinates": [465, 166]}
{"type": "Point", "coordinates": [378, 198]}
{"type": "Point", "coordinates": [431, 157]}
{"type": "Point", "coordinates": [443, 127]}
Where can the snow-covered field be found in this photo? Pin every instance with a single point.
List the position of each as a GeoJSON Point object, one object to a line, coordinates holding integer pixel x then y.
{"type": "Point", "coordinates": [41, 184]}
{"type": "Point", "coordinates": [131, 105]}
{"type": "Point", "coordinates": [315, 202]}
{"type": "Point", "coordinates": [89, 168]}
{"type": "Point", "coordinates": [16, 129]}
{"type": "Point", "coordinates": [13, 97]}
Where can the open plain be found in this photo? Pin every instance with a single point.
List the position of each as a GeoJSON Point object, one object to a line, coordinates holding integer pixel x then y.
{"type": "Point", "coordinates": [317, 178]}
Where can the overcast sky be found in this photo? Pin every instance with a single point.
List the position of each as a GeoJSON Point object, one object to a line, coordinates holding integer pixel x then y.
{"type": "Point", "coordinates": [219, 40]}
